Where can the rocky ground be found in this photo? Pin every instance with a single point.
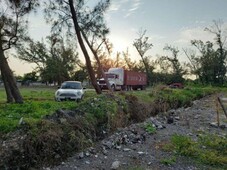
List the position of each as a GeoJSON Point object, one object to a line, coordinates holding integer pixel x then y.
{"type": "Point", "coordinates": [135, 148]}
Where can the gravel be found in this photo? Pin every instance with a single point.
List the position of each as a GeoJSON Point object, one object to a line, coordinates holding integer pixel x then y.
{"type": "Point", "coordinates": [133, 146]}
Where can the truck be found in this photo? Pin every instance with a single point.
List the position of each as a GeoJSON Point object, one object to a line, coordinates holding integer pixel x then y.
{"type": "Point", "coordinates": [121, 79]}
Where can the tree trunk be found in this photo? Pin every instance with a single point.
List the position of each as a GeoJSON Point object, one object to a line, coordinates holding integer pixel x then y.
{"type": "Point", "coordinates": [147, 70]}
{"type": "Point", "coordinates": [7, 89]}
{"type": "Point", "coordinates": [83, 48]}
{"type": "Point", "coordinates": [98, 62]}
{"type": "Point", "coordinates": [9, 81]}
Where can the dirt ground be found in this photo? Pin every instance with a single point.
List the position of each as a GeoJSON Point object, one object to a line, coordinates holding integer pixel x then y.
{"type": "Point", "coordinates": [135, 148]}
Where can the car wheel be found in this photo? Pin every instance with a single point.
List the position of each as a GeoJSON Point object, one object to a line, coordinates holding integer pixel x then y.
{"type": "Point", "coordinates": [113, 87]}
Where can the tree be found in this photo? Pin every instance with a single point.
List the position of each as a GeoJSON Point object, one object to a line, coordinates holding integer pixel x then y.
{"type": "Point", "coordinates": [210, 65]}
{"type": "Point", "coordinates": [12, 33]}
{"type": "Point", "coordinates": [221, 52]}
{"type": "Point", "coordinates": [55, 60]}
{"type": "Point", "coordinates": [74, 14]}
{"type": "Point", "coordinates": [81, 74]}
{"type": "Point", "coordinates": [177, 70]}
{"type": "Point", "coordinates": [129, 64]}
{"type": "Point", "coordinates": [29, 77]}
{"type": "Point", "coordinates": [194, 63]}
{"type": "Point", "coordinates": [142, 46]}
{"type": "Point", "coordinates": [208, 69]}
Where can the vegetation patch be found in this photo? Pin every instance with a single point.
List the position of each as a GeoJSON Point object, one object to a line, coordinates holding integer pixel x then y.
{"type": "Point", "coordinates": [150, 128]}
{"type": "Point", "coordinates": [44, 131]}
{"type": "Point", "coordinates": [168, 161]}
{"type": "Point", "coordinates": [208, 149]}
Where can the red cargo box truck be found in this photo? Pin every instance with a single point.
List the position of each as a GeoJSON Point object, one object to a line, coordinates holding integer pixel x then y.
{"type": "Point", "coordinates": [121, 79]}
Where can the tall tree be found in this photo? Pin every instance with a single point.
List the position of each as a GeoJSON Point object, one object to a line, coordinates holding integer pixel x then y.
{"type": "Point", "coordinates": [129, 64]}
{"type": "Point", "coordinates": [12, 33]}
{"type": "Point", "coordinates": [76, 15]}
{"type": "Point", "coordinates": [221, 52]}
{"type": "Point", "coordinates": [208, 62]}
{"type": "Point", "coordinates": [142, 46]}
{"type": "Point", "coordinates": [211, 62]}
{"type": "Point", "coordinates": [55, 60]}
{"type": "Point", "coordinates": [176, 68]}
{"type": "Point", "coordinates": [194, 63]}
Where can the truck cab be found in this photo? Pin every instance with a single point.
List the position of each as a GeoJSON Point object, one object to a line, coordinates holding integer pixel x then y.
{"type": "Point", "coordinates": [115, 77]}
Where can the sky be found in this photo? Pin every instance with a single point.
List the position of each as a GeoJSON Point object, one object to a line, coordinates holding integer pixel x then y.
{"type": "Point", "coordinates": [172, 22]}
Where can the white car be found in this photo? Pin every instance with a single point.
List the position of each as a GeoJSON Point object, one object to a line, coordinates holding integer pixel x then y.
{"type": "Point", "coordinates": [70, 90]}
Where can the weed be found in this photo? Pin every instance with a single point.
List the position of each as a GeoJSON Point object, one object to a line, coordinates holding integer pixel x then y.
{"type": "Point", "coordinates": [149, 127]}
{"type": "Point", "coordinates": [168, 161]}
{"type": "Point", "coordinates": [209, 149]}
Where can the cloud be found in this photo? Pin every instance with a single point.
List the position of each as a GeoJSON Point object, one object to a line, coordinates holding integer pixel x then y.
{"type": "Point", "coordinates": [133, 7]}
{"type": "Point", "coordinates": [126, 6]}
{"type": "Point", "coordinates": [197, 33]}
{"type": "Point", "coordinates": [117, 5]}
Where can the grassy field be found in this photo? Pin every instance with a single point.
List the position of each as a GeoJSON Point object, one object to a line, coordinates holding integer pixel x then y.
{"type": "Point", "coordinates": [39, 101]}
{"type": "Point", "coordinates": [93, 115]}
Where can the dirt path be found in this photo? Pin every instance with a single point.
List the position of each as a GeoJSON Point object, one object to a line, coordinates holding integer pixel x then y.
{"type": "Point", "coordinates": [134, 148]}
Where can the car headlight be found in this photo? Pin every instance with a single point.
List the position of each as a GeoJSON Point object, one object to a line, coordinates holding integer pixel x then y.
{"type": "Point", "coordinates": [57, 93]}
{"type": "Point", "coordinates": [79, 93]}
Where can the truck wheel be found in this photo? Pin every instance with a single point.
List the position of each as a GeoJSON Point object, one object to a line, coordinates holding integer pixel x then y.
{"type": "Point", "coordinates": [113, 87]}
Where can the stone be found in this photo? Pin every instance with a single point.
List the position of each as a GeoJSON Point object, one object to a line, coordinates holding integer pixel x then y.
{"type": "Point", "coordinates": [141, 153]}
{"type": "Point", "coordinates": [87, 154]}
{"type": "Point", "coordinates": [115, 165]}
{"type": "Point", "coordinates": [222, 126]}
{"type": "Point", "coordinates": [127, 149]}
{"type": "Point", "coordinates": [177, 118]}
{"type": "Point", "coordinates": [196, 116]}
{"type": "Point", "coordinates": [170, 120]}
{"type": "Point", "coordinates": [87, 162]}
{"type": "Point", "coordinates": [108, 144]}
{"type": "Point", "coordinates": [21, 121]}
{"type": "Point", "coordinates": [214, 124]}
{"type": "Point", "coordinates": [118, 147]}
{"type": "Point", "coordinates": [81, 155]}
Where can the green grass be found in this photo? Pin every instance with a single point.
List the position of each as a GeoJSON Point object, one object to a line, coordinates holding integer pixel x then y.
{"type": "Point", "coordinates": [208, 149]}
{"type": "Point", "coordinates": [39, 101]}
{"type": "Point", "coordinates": [168, 161]}
{"type": "Point", "coordinates": [149, 128]}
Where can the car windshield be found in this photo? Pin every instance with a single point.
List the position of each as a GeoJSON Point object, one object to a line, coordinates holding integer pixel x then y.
{"type": "Point", "coordinates": [110, 76]}
{"type": "Point", "coordinates": [71, 85]}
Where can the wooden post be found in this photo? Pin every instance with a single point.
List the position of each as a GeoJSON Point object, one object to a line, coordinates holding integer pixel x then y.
{"type": "Point", "coordinates": [219, 100]}
{"type": "Point", "coordinates": [218, 120]}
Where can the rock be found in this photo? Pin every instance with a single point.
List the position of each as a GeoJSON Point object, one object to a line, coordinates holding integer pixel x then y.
{"type": "Point", "coordinates": [127, 149]}
{"type": "Point", "coordinates": [115, 165]}
{"type": "Point", "coordinates": [108, 144]}
{"type": "Point", "coordinates": [81, 155]}
{"type": "Point", "coordinates": [170, 120]}
{"type": "Point", "coordinates": [177, 118]}
{"type": "Point", "coordinates": [87, 162]}
{"type": "Point", "coordinates": [104, 151]}
{"type": "Point", "coordinates": [63, 120]}
{"type": "Point", "coordinates": [141, 153]}
{"type": "Point", "coordinates": [21, 121]}
{"type": "Point", "coordinates": [118, 147]}
{"type": "Point", "coordinates": [171, 112]}
{"type": "Point", "coordinates": [222, 126]}
{"type": "Point", "coordinates": [196, 116]}
{"type": "Point", "coordinates": [214, 124]}
{"type": "Point", "coordinates": [156, 123]}
{"type": "Point", "coordinates": [87, 154]}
